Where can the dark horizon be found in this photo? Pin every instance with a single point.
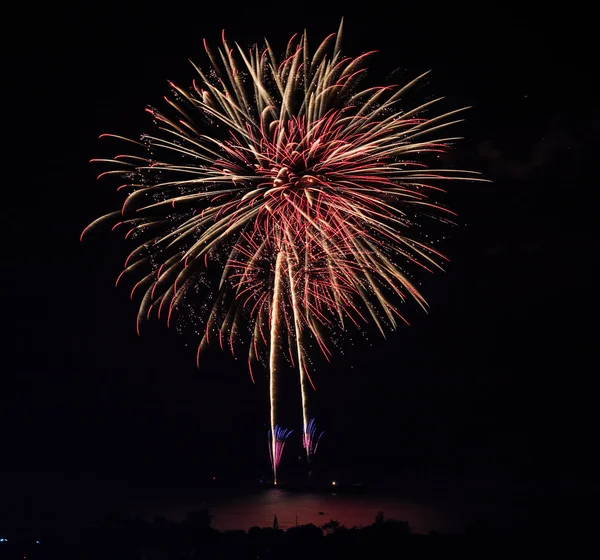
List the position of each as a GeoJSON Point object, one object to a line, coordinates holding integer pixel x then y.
{"type": "Point", "coordinates": [495, 384]}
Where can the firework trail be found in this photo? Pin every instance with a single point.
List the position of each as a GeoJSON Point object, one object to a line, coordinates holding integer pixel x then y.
{"type": "Point", "coordinates": [304, 192]}
{"type": "Point", "coordinates": [310, 439]}
{"type": "Point", "coordinates": [276, 445]}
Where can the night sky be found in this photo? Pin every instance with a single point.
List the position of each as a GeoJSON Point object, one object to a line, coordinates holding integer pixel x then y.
{"type": "Point", "coordinates": [497, 383]}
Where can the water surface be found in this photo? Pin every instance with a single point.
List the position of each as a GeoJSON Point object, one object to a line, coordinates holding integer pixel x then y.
{"type": "Point", "coordinates": [252, 508]}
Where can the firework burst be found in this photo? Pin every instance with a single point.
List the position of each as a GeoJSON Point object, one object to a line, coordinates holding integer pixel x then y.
{"type": "Point", "coordinates": [276, 445]}
{"type": "Point", "coordinates": [300, 188]}
{"type": "Point", "coordinates": [310, 439]}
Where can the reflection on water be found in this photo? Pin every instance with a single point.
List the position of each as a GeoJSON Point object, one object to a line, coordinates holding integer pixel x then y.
{"type": "Point", "coordinates": [258, 508]}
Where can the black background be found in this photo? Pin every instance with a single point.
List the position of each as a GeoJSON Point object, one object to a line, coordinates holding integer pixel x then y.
{"type": "Point", "coordinates": [497, 383]}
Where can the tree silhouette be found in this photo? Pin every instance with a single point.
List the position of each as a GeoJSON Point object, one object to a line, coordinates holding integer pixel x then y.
{"type": "Point", "coordinates": [330, 526]}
